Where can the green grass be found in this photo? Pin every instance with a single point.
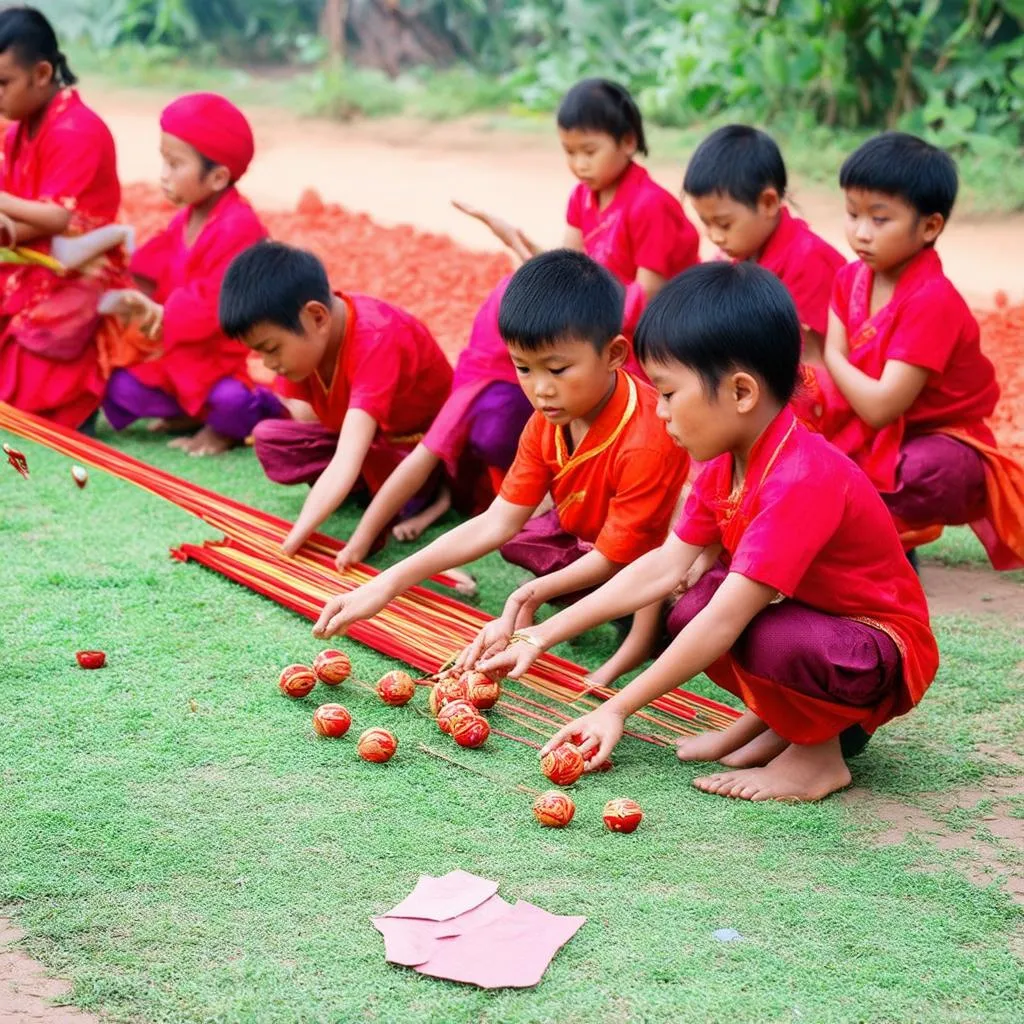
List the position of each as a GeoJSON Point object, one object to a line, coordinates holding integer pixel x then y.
{"type": "Point", "coordinates": [176, 841]}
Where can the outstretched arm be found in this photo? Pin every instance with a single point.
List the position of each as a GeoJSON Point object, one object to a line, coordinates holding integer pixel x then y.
{"type": "Point", "coordinates": [33, 218]}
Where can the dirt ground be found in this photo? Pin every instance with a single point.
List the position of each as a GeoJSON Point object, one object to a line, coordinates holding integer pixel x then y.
{"type": "Point", "coordinates": [406, 172]}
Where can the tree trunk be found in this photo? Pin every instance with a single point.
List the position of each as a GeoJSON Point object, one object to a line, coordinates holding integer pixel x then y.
{"type": "Point", "coordinates": [332, 28]}
{"type": "Point", "coordinates": [388, 38]}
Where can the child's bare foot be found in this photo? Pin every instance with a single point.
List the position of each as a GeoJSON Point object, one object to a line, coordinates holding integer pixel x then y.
{"type": "Point", "coordinates": [713, 746]}
{"type": "Point", "coordinates": [207, 442]}
{"type": "Point", "coordinates": [799, 774]}
{"type": "Point", "coordinates": [174, 425]}
{"type": "Point", "coordinates": [410, 529]}
{"type": "Point", "coordinates": [465, 584]}
{"type": "Point", "coordinates": [759, 751]}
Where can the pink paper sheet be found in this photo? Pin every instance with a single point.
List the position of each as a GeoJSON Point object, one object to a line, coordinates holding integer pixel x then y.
{"type": "Point", "coordinates": [440, 899]}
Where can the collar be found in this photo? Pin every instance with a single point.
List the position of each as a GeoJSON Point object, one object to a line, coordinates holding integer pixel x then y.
{"type": "Point", "coordinates": [604, 431]}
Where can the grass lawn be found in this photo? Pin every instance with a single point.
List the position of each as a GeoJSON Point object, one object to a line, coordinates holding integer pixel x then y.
{"type": "Point", "coordinates": [177, 842]}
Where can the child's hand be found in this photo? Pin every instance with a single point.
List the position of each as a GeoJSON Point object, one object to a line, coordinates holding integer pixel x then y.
{"type": "Point", "coordinates": [525, 647]}
{"type": "Point", "coordinates": [8, 231]}
{"type": "Point", "coordinates": [491, 640]}
{"type": "Point", "coordinates": [354, 551]}
{"type": "Point", "coordinates": [505, 232]}
{"type": "Point", "coordinates": [343, 609]}
{"type": "Point", "coordinates": [595, 734]}
{"type": "Point", "coordinates": [132, 304]}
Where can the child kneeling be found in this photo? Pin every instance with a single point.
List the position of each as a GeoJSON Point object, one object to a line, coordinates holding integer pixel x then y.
{"type": "Point", "coordinates": [813, 616]}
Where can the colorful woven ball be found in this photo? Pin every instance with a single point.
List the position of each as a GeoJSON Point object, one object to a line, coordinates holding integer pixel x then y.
{"type": "Point", "coordinates": [296, 681]}
{"type": "Point", "coordinates": [622, 814]}
{"type": "Point", "coordinates": [332, 667]}
{"type": "Point", "coordinates": [483, 691]}
{"type": "Point", "coordinates": [469, 730]}
{"type": "Point", "coordinates": [457, 707]}
{"type": "Point", "coordinates": [396, 688]}
{"type": "Point", "coordinates": [553, 809]}
{"type": "Point", "coordinates": [332, 720]}
{"type": "Point", "coordinates": [91, 659]}
{"type": "Point", "coordinates": [377, 745]}
{"type": "Point", "coordinates": [563, 765]}
{"type": "Point", "coordinates": [444, 691]}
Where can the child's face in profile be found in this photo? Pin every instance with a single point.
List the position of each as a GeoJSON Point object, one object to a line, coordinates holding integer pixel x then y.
{"type": "Point", "coordinates": [595, 157]}
{"type": "Point", "coordinates": [286, 353]}
{"type": "Point", "coordinates": [740, 231]}
{"type": "Point", "coordinates": [886, 231]}
{"type": "Point", "coordinates": [567, 380]}
{"type": "Point", "coordinates": [182, 177]}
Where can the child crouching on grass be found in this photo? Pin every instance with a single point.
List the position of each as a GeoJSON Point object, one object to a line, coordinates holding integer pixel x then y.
{"type": "Point", "coordinates": [812, 616]}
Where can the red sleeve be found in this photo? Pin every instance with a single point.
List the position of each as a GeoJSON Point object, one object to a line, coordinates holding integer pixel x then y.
{"type": "Point", "coordinates": [810, 282]}
{"type": "Point", "coordinates": [151, 258]}
{"type": "Point", "coordinates": [529, 479]}
{"type": "Point", "coordinates": [190, 312]}
{"type": "Point", "coordinates": [929, 326]}
{"type": "Point", "coordinates": [374, 371]}
{"type": "Point", "coordinates": [795, 519]}
{"type": "Point", "coordinates": [640, 511]}
{"type": "Point", "coordinates": [657, 226]}
{"type": "Point", "coordinates": [574, 214]}
{"type": "Point", "coordinates": [841, 288]}
{"type": "Point", "coordinates": [697, 525]}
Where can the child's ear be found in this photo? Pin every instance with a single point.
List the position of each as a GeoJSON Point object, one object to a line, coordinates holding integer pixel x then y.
{"type": "Point", "coordinates": [616, 352]}
{"type": "Point", "coordinates": [745, 390]}
{"type": "Point", "coordinates": [769, 201]}
{"type": "Point", "coordinates": [931, 227]}
{"type": "Point", "coordinates": [219, 178]}
{"type": "Point", "coordinates": [317, 315]}
{"type": "Point", "coordinates": [628, 143]}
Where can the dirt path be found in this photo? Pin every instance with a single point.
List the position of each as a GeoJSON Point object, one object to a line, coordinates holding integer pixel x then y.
{"type": "Point", "coordinates": [402, 171]}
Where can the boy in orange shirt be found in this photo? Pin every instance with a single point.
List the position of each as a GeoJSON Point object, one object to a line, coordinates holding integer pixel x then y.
{"type": "Point", "coordinates": [594, 442]}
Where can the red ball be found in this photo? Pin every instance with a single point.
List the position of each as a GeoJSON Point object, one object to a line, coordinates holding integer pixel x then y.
{"type": "Point", "coordinates": [396, 688]}
{"type": "Point", "coordinates": [563, 765]}
{"type": "Point", "coordinates": [332, 720]}
{"type": "Point", "coordinates": [446, 690]}
{"type": "Point", "coordinates": [469, 730]}
{"type": "Point", "coordinates": [553, 809]}
{"type": "Point", "coordinates": [377, 745]}
{"type": "Point", "coordinates": [296, 681]}
{"type": "Point", "coordinates": [483, 691]}
{"type": "Point", "coordinates": [91, 659]}
{"type": "Point", "coordinates": [457, 707]}
{"type": "Point", "coordinates": [622, 814]}
{"type": "Point", "coordinates": [332, 667]}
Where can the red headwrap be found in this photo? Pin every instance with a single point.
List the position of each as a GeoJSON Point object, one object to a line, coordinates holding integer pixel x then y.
{"type": "Point", "coordinates": [214, 127]}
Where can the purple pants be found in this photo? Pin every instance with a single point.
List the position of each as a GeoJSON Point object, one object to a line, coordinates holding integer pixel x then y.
{"type": "Point", "coordinates": [938, 480]}
{"type": "Point", "coordinates": [543, 547]}
{"type": "Point", "coordinates": [816, 654]}
{"type": "Point", "coordinates": [496, 419]}
{"type": "Point", "coordinates": [232, 409]}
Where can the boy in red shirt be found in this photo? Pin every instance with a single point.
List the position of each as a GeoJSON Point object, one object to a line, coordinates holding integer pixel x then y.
{"type": "Point", "coordinates": [810, 557]}
{"type": "Point", "coordinates": [362, 378]}
{"type": "Point", "coordinates": [910, 387]}
{"type": "Point", "coordinates": [594, 442]}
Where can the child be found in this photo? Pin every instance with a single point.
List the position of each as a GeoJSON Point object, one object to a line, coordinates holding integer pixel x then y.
{"type": "Point", "coordinates": [736, 180]}
{"type": "Point", "coordinates": [594, 442]}
{"type": "Point", "coordinates": [618, 216]}
{"type": "Point", "coordinates": [362, 378]}
{"type": "Point", "coordinates": [199, 378]}
{"type": "Point", "coordinates": [813, 616]}
{"type": "Point", "coordinates": [58, 176]}
{"type": "Point", "coordinates": [911, 388]}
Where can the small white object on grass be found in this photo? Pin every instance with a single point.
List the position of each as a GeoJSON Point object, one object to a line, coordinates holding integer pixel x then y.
{"type": "Point", "coordinates": [727, 935]}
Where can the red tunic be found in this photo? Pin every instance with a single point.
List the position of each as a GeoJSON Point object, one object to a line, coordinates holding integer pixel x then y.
{"type": "Point", "coordinates": [618, 489]}
{"type": "Point", "coordinates": [809, 524]}
{"type": "Point", "coordinates": [195, 352]}
{"type": "Point", "coordinates": [49, 357]}
{"type": "Point", "coordinates": [926, 324]}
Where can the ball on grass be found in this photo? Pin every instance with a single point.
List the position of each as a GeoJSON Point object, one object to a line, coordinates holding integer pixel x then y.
{"type": "Point", "coordinates": [332, 721]}
{"type": "Point", "coordinates": [622, 814]}
{"type": "Point", "coordinates": [563, 765]}
{"type": "Point", "coordinates": [376, 745]}
{"type": "Point", "coordinates": [91, 659]}
{"type": "Point", "coordinates": [296, 681]}
{"type": "Point", "coordinates": [332, 667]}
{"type": "Point", "coordinates": [444, 691]}
{"type": "Point", "coordinates": [553, 809]}
{"type": "Point", "coordinates": [457, 707]}
{"type": "Point", "coordinates": [469, 730]}
{"type": "Point", "coordinates": [396, 688]}
{"type": "Point", "coordinates": [483, 691]}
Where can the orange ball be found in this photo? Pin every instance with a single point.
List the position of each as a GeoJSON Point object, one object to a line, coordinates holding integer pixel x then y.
{"type": "Point", "coordinates": [446, 690]}
{"type": "Point", "coordinates": [332, 667]}
{"type": "Point", "coordinates": [296, 681]}
{"type": "Point", "coordinates": [469, 730]}
{"type": "Point", "coordinates": [553, 809]}
{"type": "Point", "coordinates": [483, 691]}
{"type": "Point", "coordinates": [396, 688]}
{"type": "Point", "coordinates": [331, 720]}
{"type": "Point", "coordinates": [377, 745]}
{"type": "Point", "coordinates": [457, 707]}
{"type": "Point", "coordinates": [622, 814]}
{"type": "Point", "coordinates": [563, 765]}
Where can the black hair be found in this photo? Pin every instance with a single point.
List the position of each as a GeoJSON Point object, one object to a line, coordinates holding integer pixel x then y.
{"type": "Point", "coordinates": [270, 283]}
{"type": "Point", "coordinates": [561, 295]}
{"type": "Point", "coordinates": [718, 317]}
{"type": "Point", "coordinates": [736, 161]}
{"type": "Point", "coordinates": [31, 36]}
{"type": "Point", "coordinates": [599, 105]}
{"type": "Point", "coordinates": [903, 165]}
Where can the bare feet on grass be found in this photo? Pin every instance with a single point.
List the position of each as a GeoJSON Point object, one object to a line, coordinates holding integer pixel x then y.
{"type": "Point", "coordinates": [206, 442]}
{"type": "Point", "coordinates": [412, 528]}
{"type": "Point", "coordinates": [174, 425]}
{"type": "Point", "coordinates": [759, 751]}
{"type": "Point", "coordinates": [713, 746]}
{"type": "Point", "coordinates": [800, 774]}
